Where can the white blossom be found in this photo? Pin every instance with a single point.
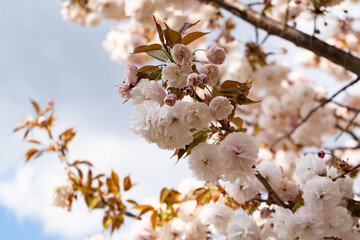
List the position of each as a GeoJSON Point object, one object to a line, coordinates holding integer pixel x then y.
{"type": "Point", "coordinates": [321, 193]}
{"type": "Point", "coordinates": [309, 166]}
{"type": "Point", "coordinates": [220, 107]}
{"type": "Point", "coordinates": [217, 216]}
{"type": "Point", "coordinates": [176, 75]}
{"type": "Point", "coordinates": [242, 228]}
{"type": "Point", "coordinates": [205, 162]}
{"type": "Point", "coordinates": [147, 90]}
{"type": "Point", "coordinates": [60, 194]}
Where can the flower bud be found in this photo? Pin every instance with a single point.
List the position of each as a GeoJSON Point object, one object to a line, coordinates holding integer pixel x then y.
{"type": "Point", "coordinates": [124, 90]}
{"type": "Point", "coordinates": [42, 120]}
{"type": "Point", "coordinates": [321, 154]}
{"type": "Point", "coordinates": [51, 101]}
{"type": "Point", "coordinates": [216, 55]}
{"type": "Point", "coordinates": [170, 99]}
{"type": "Point", "coordinates": [193, 80]}
{"type": "Point", "coordinates": [204, 78]}
{"type": "Point", "coordinates": [189, 91]}
{"type": "Point", "coordinates": [131, 72]}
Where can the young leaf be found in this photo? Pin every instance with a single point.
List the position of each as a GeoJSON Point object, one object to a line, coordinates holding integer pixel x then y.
{"type": "Point", "coordinates": [147, 48]}
{"type": "Point", "coordinates": [158, 54]}
{"type": "Point", "coordinates": [30, 153]}
{"type": "Point", "coordinates": [159, 30]}
{"type": "Point", "coordinates": [172, 37]}
{"type": "Point", "coordinates": [192, 37]}
{"type": "Point", "coordinates": [36, 106]}
{"type": "Point", "coordinates": [127, 183]}
{"type": "Point", "coordinates": [186, 26]}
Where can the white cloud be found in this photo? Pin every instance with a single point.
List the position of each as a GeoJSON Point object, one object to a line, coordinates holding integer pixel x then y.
{"type": "Point", "coordinates": [27, 193]}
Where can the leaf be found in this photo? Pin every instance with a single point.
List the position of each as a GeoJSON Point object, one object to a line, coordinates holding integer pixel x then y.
{"type": "Point", "coordinates": [147, 48]}
{"type": "Point", "coordinates": [158, 54]}
{"type": "Point", "coordinates": [92, 201]}
{"type": "Point", "coordinates": [132, 202]}
{"type": "Point", "coordinates": [127, 183]}
{"type": "Point", "coordinates": [30, 153]}
{"type": "Point", "coordinates": [192, 37]}
{"type": "Point", "coordinates": [34, 141]}
{"type": "Point", "coordinates": [107, 220]}
{"type": "Point", "coordinates": [172, 37]}
{"type": "Point", "coordinates": [144, 209]}
{"type": "Point", "coordinates": [154, 219]}
{"type": "Point", "coordinates": [36, 106]}
{"type": "Point", "coordinates": [164, 194]}
{"type": "Point", "coordinates": [159, 30]}
{"type": "Point", "coordinates": [186, 26]}
{"type": "Point", "coordinates": [238, 122]}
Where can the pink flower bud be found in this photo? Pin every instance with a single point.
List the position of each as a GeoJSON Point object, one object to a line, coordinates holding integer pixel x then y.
{"type": "Point", "coordinates": [51, 101]}
{"type": "Point", "coordinates": [124, 90]}
{"type": "Point", "coordinates": [131, 72]}
{"type": "Point", "coordinates": [189, 91]}
{"type": "Point", "coordinates": [170, 99]}
{"type": "Point", "coordinates": [216, 55]}
{"type": "Point", "coordinates": [204, 78]}
{"type": "Point", "coordinates": [321, 154]}
{"type": "Point", "coordinates": [42, 120]}
{"type": "Point", "coordinates": [193, 80]}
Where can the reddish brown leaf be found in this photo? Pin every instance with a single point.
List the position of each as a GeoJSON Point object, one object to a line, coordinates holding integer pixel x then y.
{"type": "Point", "coordinates": [159, 30]}
{"type": "Point", "coordinates": [34, 141]}
{"type": "Point", "coordinates": [147, 48]}
{"type": "Point", "coordinates": [186, 26]}
{"type": "Point", "coordinates": [132, 202]}
{"type": "Point", "coordinates": [154, 219]}
{"type": "Point", "coordinates": [36, 106]}
{"type": "Point", "coordinates": [172, 37]}
{"type": "Point", "coordinates": [127, 183]}
{"type": "Point", "coordinates": [192, 37]}
{"type": "Point", "coordinates": [30, 153]}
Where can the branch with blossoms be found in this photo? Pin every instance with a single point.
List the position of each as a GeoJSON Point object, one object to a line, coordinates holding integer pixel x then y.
{"type": "Point", "coordinates": [273, 27]}
{"type": "Point", "coordinates": [312, 111]}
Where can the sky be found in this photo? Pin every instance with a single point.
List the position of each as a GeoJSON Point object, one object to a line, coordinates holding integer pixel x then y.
{"type": "Point", "coordinates": [41, 57]}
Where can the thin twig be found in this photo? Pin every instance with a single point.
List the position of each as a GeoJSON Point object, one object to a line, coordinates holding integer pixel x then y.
{"type": "Point", "coordinates": [348, 126]}
{"type": "Point", "coordinates": [345, 106]}
{"type": "Point", "coordinates": [324, 102]}
{"type": "Point", "coordinates": [348, 132]}
{"type": "Point", "coordinates": [347, 171]}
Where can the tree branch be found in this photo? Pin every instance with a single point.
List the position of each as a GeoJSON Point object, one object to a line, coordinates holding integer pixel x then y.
{"type": "Point", "coordinates": [315, 45]}
{"type": "Point", "coordinates": [270, 190]}
{"type": "Point", "coordinates": [323, 103]}
{"type": "Point", "coordinates": [347, 171]}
